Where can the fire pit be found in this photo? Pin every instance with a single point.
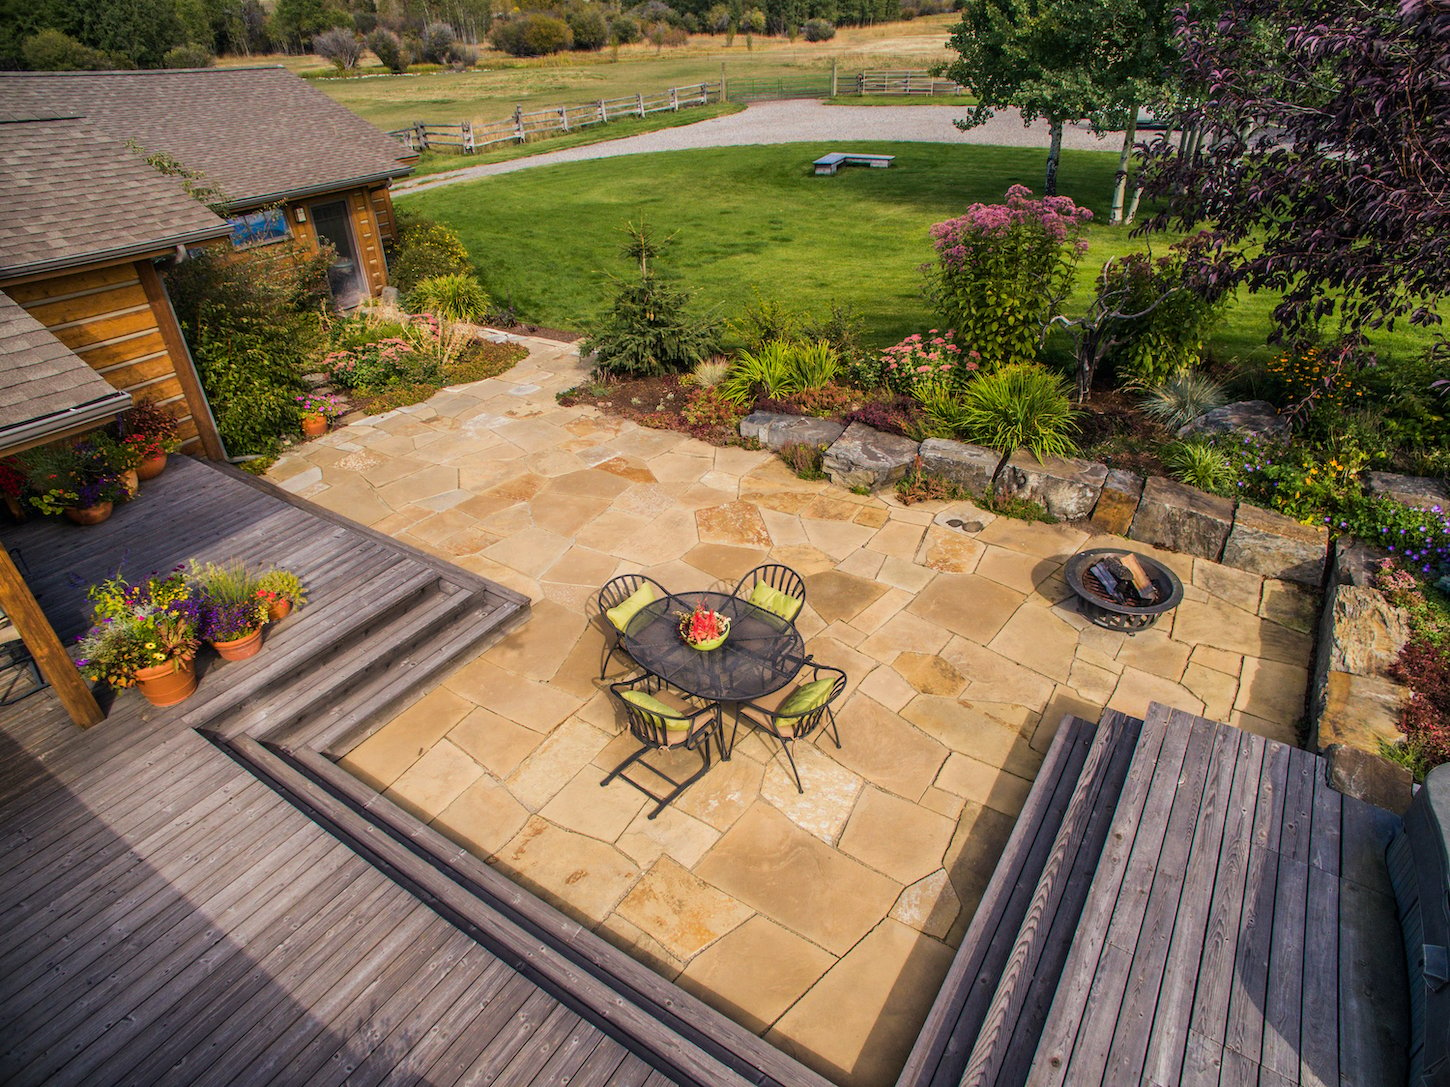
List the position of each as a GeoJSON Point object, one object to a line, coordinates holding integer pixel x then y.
{"type": "Point", "coordinates": [1119, 607]}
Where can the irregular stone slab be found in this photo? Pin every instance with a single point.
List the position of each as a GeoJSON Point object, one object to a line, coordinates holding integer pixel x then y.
{"type": "Point", "coordinates": [864, 457]}
{"type": "Point", "coordinates": [1370, 778]}
{"type": "Point", "coordinates": [1183, 519]}
{"type": "Point", "coordinates": [1362, 632]}
{"type": "Point", "coordinates": [1268, 543]}
{"type": "Point", "coordinates": [756, 972]}
{"type": "Point", "coordinates": [929, 905]}
{"type": "Point", "coordinates": [774, 430]}
{"type": "Point", "coordinates": [1355, 562]}
{"type": "Point", "coordinates": [1255, 417]}
{"type": "Point", "coordinates": [680, 910]}
{"type": "Point", "coordinates": [1117, 502]}
{"type": "Point", "coordinates": [735, 523]}
{"type": "Point", "coordinates": [897, 837]}
{"type": "Point", "coordinates": [969, 466]}
{"type": "Point", "coordinates": [1411, 490]}
{"type": "Point", "coordinates": [1067, 487]}
{"type": "Point", "coordinates": [582, 876]}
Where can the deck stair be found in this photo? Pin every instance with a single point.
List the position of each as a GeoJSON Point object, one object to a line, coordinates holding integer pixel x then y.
{"type": "Point", "coordinates": [1181, 902]}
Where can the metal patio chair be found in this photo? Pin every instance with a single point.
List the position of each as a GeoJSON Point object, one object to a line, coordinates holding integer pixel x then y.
{"type": "Point", "coordinates": [616, 592]}
{"type": "Point", "coordinates": [797, 713]}
{"type": "Point", "coordinates": [662, 719]}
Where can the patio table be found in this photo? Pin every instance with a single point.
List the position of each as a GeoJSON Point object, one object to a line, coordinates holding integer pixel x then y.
{"type": "Point", "coordinates": [762, 654]}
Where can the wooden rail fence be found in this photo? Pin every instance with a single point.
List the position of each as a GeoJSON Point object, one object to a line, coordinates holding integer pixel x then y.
{"type": "Point", "coordinates": [904, 82]}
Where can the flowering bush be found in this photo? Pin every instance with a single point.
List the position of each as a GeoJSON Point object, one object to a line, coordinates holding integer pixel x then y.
{"type": "Point", "coordinates": [324, 404]}
{"type": "Point", "coordinates": [149, 430]}
{"type": "Point", "coordinates": [138, 626]}
{"type": "Point", "coordinates": [1420, 538]}
{"type": "Point", "coordinates": [1423, 665]}
{"type": "Point", "coordinates": [1003, 269]}
{"type": "Point", "coordinates": [1326, 378]}
{"type": "Point", "coordinates": [231, 602]}
{"type": "Point", "coordinates": [374, 365]}
{"type": "Point", "coordinates": [711, 407]}
{"type": "Point", "coordinates": [934, 360]}
{"type": "Point", "coordinates": [1296, 478]}
{"type": "Point", "coordinates": [76, 474]}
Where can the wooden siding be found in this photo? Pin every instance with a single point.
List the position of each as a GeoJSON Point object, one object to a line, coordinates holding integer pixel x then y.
{"type": "Point", "coordinates": [367, 232]}
{"type": "Point", "coordinates": [107, 317]}
{"type": "Point", "coordinates": [383, 211]}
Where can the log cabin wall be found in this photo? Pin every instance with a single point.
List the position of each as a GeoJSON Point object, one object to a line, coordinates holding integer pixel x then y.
{"type": "Point", "coordinates": [106, 316]}
{"type": "Point", "coordinates": [367, 232]}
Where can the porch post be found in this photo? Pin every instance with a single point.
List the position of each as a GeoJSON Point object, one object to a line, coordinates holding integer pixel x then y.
{"type": "Point", "coordinates": [40, 638]}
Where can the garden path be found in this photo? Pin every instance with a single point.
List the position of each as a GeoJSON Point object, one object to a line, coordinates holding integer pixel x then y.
{"type": "Point", "coordinates": [825, 921]}
{"type": "Point", "coordinates": [795, 121]}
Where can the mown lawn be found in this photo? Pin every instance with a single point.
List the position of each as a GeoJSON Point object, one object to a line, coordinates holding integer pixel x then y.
{"type": "Point", "coordinates": [757, 219]}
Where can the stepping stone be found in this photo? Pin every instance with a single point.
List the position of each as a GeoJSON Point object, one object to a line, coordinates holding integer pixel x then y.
{"type": "Point", "coordinates": [864, 457]}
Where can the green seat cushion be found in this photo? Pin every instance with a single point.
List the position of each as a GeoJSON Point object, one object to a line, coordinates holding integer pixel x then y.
{"type": "Point", "coordinates": [773, 600]}
{"type": "Point", "coordinates": [659, 713]}
{"type": "Point", "coordinates": [806, 697]}
{"type": "Point", "coordinates": [631, 605]}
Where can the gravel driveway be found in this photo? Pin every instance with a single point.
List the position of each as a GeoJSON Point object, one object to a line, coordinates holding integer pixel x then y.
{"type": "Point", "coordinates": [796, 121]}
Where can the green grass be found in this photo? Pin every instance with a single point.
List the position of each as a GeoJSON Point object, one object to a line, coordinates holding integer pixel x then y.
{"type": "Point", "coordinates": [750, 218]}
{"type": "Point", "coordinates": [436, 162]}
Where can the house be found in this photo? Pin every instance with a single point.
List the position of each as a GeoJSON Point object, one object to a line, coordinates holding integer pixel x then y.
{"type": "Point", "coordinates": [288, 160]}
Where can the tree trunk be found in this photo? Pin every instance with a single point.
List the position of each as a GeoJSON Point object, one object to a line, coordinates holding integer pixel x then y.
{"type": "Point", "coordinates": [1125, 156]}
{"type": "Point", "coordinates": [1054, 153]}
{"type": "Point", "coordinates": [1133, 205]}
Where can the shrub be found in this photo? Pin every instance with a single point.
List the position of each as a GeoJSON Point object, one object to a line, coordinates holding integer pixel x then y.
{"type": "Point", "coordinates": [752, 21]}
{"type": "Point", "coordinates": [426, 248]}
{"type": "Point", "coordinates": [531, 35]}
{"type": "Point", "coordinates": [1002, 271]}
{"type": "Point", "coordinates": [710, 407]}
{"type": "Point", "coordinates": [1299, 479]}
{"type": "Point", "coordinates": [435, 41]}
{"type": "Point", "coordinates": [190, 55]}
{"type": "Point", "coordinates": [944, 412]}
{"type": "Point", "coordinates": [1019, 405]}
{"type": "Point", "coordinates": [917, 364]}
{"type": "Point", "coordinates": [1180, 314]}
{"type": "Point", "coordinates": [1182, 398]}
{"type": "Point", "coordinates": [818, 30]}
{"type": "Point", "coordinates": [804, 459]}
{"type": "Point", "coordinates": [342, 47]}
{"type": "Point", "coordinates": [763, 320]}
{"type": "Point", "coordinates": [624, 29]}
{"type": "Point", "coordinates": [456, 297]}
{"type": "Point", "coordinates": [53, 51]}
{"type": "Point", "coordinates": [1200, 464]}
{"type": "Point", "coordinates": [781, 368]}
{"type": "Point", "coordinates": [389, 49]}
{"type": "Point", "coordinates": [461, 55]}
{"type": "Point", "coordinates": [899, 415]}
{"type": "Point", "coordinates": [589, 27]}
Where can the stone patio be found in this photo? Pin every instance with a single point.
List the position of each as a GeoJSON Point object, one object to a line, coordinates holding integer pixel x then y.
{"type": "Point", "coordinates": [824, 921]}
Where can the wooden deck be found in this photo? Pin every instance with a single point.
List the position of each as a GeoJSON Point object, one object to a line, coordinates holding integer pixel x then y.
{"type": "Point", "coordinates": [1215, 915]}
{"type": "Point", "coordinates": [180, 903]}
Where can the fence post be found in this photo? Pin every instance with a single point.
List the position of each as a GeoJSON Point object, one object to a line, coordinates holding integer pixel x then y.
{"type": "Point", "coordinates": [467, 127]}
{"type": "Point", "coordinates": [603, 112]}
{"type": "Point", "coordinates": [564, 118]}
{"type": "Point", "coordinates": [833, 77]}
{"type": "Point", "coordinates": [519, 123]}
{"type": "Point", "coordinates": [704, 95]}
{"type": "Point", "coordinates": [674, 100]}
{"type": "Point", "coordinates": [422, 130]}
{"type": "Point", "coordinates": [640, 99]}
{"type": "Point", "coordinates": [861, 84]}
{"type": "Point", "coordinates": [724, 95]}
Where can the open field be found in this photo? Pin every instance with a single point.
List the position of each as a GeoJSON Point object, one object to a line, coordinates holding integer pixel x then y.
{"type": "Point", "coordinates": [501, 82]}
{"type": "Point", "coordinates": [755, 218]}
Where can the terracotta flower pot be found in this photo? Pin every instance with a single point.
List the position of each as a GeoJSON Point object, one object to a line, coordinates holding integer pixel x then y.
{"type": "Point", "coordinates": [151, 467]}
{"type": "Point", "coordinates": [131, 483]}
{"type": "Point", "coordinates": [167, 684]}
{"type": "Point", "coordinates": [239, 649]}
{"type": "Point", "coordinates": [314, 426]}
{"type": "Point", "coordinates": [279, 609]}
{"type": "Point", "coordinates": [89, 515]}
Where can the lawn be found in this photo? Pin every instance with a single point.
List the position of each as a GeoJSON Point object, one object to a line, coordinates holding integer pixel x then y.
{"type": "Point", "coordinates": [500, 82]}
{"type": "Point", "coordinates": [756, 218]}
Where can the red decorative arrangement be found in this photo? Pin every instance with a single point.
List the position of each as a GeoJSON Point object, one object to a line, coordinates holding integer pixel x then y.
{"type": "Point", "coordinates": [703, 628]}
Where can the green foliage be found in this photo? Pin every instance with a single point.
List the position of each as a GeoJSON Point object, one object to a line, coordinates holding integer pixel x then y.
{"type": "Point", "coordinates": [279, 584]}
{"type": "Point", "coordinates": [1199, 463]}
{"type": "Point", "coordinates": [763, 320]}
{"type": "Point", "coordinates": [710, 407]}
{"type": "Point", "coordinates": [389, 49]}
{"type": "Point", "coordinates": [944, 412]}
{"type": "Point", "coordinates": [818, 30]}
{"type": "Point", "coordinates": [53, 51]}
{"type": "Point", "coordinates": [781, 368]}
{"type": "Point", "coordinates": [532, 34]}
{"type": "Point", "coordinates": [455, 297]}
{"type": "Point", "coordinates": [1019, 405]}
{"type": "Point", "coordinates": [589, 26]}
{"type": "Point", "coordinates": [624, 29]}
{"type": "Point", "coordinates": [1170, 336]}
{"type": "Point", "coordinates": [1182, 397]}
{"type": "Point", "coordinates": [296, 22]}
{"type": "Point", "coordinates": [188, 55]}
{"type": "Point", "coordinates": [426, 248]}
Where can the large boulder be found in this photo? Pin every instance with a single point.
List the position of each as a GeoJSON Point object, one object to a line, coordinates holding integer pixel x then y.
{"type": "Point", "coordinates": [1118, 501]}
{"type": "Point", "coordinates": [1411, 490]}
{"type": "Point", "coordinates": [1179, 518]}
{"type": "Point", "coordinates": [1268, 543]}
{"type": "Point", "coordinates": [1066, 487]}
{"type": "Point", "coordinates": [865, 457]}
{"type": "Point", "coordinates": [969, 466]}
{"type": "Point", "coordinates": [1257, 418]}
{"type": "Point", "coordinates": [774, 430]}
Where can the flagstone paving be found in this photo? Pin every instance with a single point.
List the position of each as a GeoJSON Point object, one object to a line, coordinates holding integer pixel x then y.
{"type": "Point", "coordinates": [824, 920]}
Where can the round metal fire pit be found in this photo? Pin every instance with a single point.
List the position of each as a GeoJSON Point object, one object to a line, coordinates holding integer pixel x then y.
{"type": "Point", "coordinates": [1103, 610]}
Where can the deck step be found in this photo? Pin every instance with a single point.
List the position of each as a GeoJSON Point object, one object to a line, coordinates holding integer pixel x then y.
{"type": "Point", "coordinates": [1047, 854]}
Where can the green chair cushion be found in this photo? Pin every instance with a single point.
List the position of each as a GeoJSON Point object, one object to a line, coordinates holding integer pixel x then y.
{"type": "Point", "coordinates": [806, 697]}
{"type": "Point", "coordinates": [659, 713]}
{"type": "Point", "coordinates": [631, 605]}
{"type": "Point", "coordinates": [775, 601]}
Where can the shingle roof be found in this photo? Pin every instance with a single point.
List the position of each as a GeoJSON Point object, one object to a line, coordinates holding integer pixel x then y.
{"type": "Point", "coordinates": [70, 196]}
{"type": "Point", "coordinates": [44, 386]}
{"type": "Point", "coordinates": [259, 134]}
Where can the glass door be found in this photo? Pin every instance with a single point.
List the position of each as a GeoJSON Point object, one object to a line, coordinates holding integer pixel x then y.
{"type": "Point", "coordinates": [345, 277]}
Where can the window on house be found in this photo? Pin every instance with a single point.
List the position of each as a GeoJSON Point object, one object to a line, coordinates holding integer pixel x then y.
{"type": "Point", "coordinates": [258, 228]}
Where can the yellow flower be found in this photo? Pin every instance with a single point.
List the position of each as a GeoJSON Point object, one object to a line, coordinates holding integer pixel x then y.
{"type": "Point", "coordinates": [150, 645]}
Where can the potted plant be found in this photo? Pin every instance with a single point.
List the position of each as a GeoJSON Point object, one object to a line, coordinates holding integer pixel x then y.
{"type": "Point", "coordinates": [232, 614]}
{"type": "Point", "coordinates": [12, 487]}
{"type": "Point", "coordinates": [282, 590]}
{"type": "Point", "coordinates": [152, 433]}
{"type": "Point", "coordinates": [143, 636]}
{"type": "Point", "coordinates": [74, 478]}
{"type": "Point", "coordinates": [703, 628]}
{"type": "Point", "coordinates": [319, 411]}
